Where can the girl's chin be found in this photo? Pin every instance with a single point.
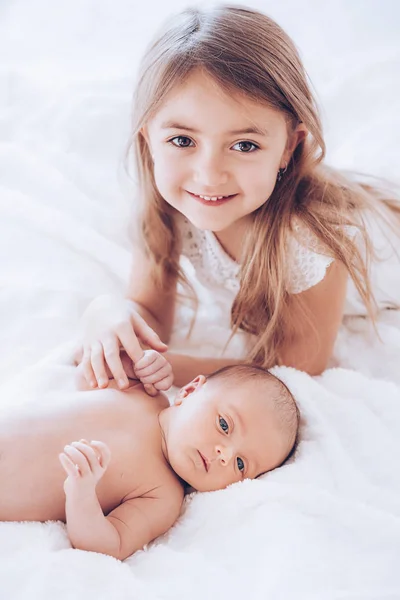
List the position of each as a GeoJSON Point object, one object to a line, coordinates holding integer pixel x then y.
{"type": "Point", "coordinates": [207, 222]}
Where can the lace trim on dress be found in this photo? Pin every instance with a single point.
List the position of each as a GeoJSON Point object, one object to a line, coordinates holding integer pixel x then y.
{"type": "Point", "coordinates": [212, 264]}
{"type": "Point", "coordinates": [308, 258]}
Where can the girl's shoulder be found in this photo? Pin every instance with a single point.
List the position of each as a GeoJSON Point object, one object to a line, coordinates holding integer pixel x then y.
{"type": "Point", "coordinates": [308, 258]}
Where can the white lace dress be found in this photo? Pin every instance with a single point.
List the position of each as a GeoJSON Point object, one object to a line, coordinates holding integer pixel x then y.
{"type": "Point", "coordinates": [215, 277]}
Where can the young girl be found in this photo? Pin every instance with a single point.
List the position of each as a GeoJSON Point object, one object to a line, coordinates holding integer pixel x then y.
{"type": "Point", "coordinates": [229, 153]}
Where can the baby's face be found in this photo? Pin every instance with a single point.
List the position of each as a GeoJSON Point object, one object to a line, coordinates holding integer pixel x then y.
{"type": "Point", "coordinates": [217, 434]}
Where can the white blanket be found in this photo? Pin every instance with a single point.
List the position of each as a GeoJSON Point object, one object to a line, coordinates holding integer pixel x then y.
{"type": "Point", "coordinates": [325, 526]}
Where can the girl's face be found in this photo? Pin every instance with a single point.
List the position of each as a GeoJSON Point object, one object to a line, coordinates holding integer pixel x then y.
{"type": "Point", "coordinates": [207, 143]}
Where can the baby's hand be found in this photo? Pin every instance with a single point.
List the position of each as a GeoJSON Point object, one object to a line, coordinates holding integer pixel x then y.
{"type": "Point", "coordinates": [154, 371]}
{"type": "Point", "coordinates": [85, 464]}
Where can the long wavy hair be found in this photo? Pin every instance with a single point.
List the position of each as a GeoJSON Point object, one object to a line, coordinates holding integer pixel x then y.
{"type": "Point", "coordinates": [246, 52]}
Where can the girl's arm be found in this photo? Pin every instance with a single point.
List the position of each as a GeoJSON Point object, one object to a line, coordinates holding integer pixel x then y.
{"type": "Point", "coordinates": [156, 307]}
{"type": "Point", "coordinates": [311, 346]}
{"type": "Point", "coordinates": [185, 368]}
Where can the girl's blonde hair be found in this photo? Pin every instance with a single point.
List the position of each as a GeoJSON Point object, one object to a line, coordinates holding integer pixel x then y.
{"type": "Point", "coordinates": [247, 53]}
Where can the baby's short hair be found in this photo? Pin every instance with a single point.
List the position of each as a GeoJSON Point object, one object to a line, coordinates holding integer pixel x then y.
{"type": "Point", "coordinates": [282, 400]}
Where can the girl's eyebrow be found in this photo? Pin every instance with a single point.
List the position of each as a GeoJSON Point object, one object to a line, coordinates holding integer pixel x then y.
{"type": "Point", "coordinates": [249, 130]}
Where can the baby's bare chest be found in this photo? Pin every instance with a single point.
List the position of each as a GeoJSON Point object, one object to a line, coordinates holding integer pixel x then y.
{"type": "Point", "coordinates": [30, 445]}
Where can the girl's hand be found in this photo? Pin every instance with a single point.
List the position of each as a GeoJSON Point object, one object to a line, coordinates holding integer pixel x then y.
{"type": "Point", "coordinates": [111, 323]}
{"type": "Point", "coordinates": [155, 372]}
{"type": "Point", "coordinates": [85, 464]}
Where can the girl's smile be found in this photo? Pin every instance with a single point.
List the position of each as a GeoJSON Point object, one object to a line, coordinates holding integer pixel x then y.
{"type": "Point", "coordinates": [207, 143]}
{"type": "Point", "coordinates": [212, 200]}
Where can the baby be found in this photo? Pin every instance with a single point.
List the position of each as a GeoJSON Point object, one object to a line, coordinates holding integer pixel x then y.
{"type": "Point", "coordinates": [125, 490]}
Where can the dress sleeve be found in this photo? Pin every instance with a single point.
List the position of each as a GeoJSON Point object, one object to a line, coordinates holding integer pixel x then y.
{"type": "Point", "coordinates": [308, 260]}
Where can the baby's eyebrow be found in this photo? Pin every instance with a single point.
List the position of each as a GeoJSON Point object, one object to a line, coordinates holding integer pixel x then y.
{"type": "Point", "coordinates": [253, 462]}
{"type": "Point", "coordinates": [248, 130]}
{"type": "Point", "coordinates": [239, 420]}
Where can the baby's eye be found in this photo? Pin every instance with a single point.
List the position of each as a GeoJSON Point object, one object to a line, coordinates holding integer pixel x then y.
{"type": "Point", "coordinates": [224, 425]}
{"type": "Point", "coordinates": [180, 141]}
{"type": "Point", "coordinates": [246, 147]}
{"type": "Point", "coordinates": [240, 464]}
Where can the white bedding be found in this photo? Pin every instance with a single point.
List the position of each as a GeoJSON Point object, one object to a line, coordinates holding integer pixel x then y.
{"type": "Point", "coordinates": [325, 526]}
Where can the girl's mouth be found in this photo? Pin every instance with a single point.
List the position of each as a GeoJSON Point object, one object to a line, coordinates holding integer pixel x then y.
{"type": "Point", "coordinates": [212, 200]}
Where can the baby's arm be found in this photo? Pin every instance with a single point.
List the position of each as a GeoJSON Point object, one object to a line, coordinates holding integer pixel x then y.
{"type": "Point", "coordinates": [128, 527]}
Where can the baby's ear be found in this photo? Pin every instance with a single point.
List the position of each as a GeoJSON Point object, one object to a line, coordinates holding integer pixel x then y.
{"type": "Point", "coordinates": [179, 397]}
{"type": "Point", "coordinates": [189, 388]}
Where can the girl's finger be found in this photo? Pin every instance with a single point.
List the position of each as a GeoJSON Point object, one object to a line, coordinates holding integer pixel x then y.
{"type": "Point", "coordinates": [69, 467]}
{"type": "Point", "coordinates": [165, 371]}
{"type": "Point", "coordinates": [127, 363]}
{"type": "Point", "coordinates": [77, 458]}
{"type": "Point", "coordinates": [114, 362]}
{"type": "Point", "coordinates": [97, 360]}
{"type": "Point", "coordinates": [104, 452]}
{"type": "Point", "coordinates": [146, 333]}
{"type": "Point", "coordinates": [165, 383]}
{"type": "Point", "coordinates": [78, 356]}
{"type": "Point", "coordinates": [130, 343]}
{"type": "Point", "coordinates": [87, 370]}
{"type": "Point", "coordinates": [92, 457]}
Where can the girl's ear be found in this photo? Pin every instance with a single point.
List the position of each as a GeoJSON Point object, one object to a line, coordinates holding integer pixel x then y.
{"type": "Point", "coordinates": [189, 388]}
{"type": "Point", "coordinates": [145, 133]}
{"type": "Point", "coordinates": [297, 136]}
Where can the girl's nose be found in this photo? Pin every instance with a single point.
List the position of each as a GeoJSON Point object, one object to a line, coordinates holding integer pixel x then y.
{"type": "Point", "coordinates": [224, 454]}
{"type": "Point", "coordinates": [210, 173]}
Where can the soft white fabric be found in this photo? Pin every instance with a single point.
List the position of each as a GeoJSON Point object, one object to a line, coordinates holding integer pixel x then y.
{"type": "Point", "coordinates": [326, 526]}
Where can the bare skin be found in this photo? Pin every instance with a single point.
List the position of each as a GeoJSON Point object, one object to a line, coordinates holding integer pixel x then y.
{"type": "Point", "coordinates": [32, 477]}
{"type": "Point", "coordinates": [127, 457]}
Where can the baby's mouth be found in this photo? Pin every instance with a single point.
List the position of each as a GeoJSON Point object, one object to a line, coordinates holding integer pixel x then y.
{"type": "Point", "coordinates": [205, 461]}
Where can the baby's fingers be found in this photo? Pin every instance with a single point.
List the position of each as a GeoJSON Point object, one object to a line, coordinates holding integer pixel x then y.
{"type": "Point", "coordinates": [165, 383]}
{"type": "Point", "coordinates": [162, 373]}
{"type": "Point", "coordinates": [150, 389]}
{"type": "Point", "coordinates": [93, 458]}
{"type": "Point", "coordinates": [150, 362]}
{"type": "Point", "coordinates": [103, 451]}
{"type": "Point", "coordinates": [69, 467]}
{"type": "Point", "coordinates": [78, 459]}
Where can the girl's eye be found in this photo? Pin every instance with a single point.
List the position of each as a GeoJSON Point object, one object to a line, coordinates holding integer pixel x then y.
{"type": "Point", "coordinates": [224, 425]}
{"type": "Point", "coordinates": [180, 141]}
{"type": "Point", "coordinates": [246, 147]}
{"type": "Point", "coordinates": [240, 464]}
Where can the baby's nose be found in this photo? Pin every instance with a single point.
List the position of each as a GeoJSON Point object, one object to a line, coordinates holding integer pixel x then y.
{"type": "Point", "coordinates": [224, 454]}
